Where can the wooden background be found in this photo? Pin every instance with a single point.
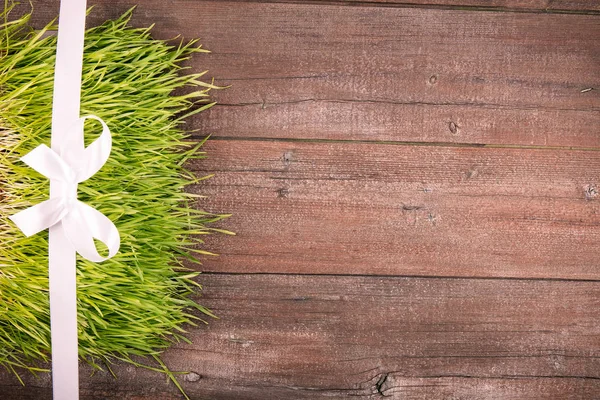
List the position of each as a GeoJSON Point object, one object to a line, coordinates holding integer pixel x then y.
{"type": "Point", "coordinates": [415, 186]}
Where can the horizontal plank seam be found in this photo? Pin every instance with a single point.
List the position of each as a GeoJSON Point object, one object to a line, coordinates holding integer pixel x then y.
{"type": "Point", "coordinates": [208, 183]}
{"type": "Point", "coordinates": [491, 106]}
{"type": "Point", "coordinates": [424, 6]}
{"type": "Point", "coordinates": [470, 356]}
{"type": "Point", "coordinates": [409, 276]}
{"type": "Point", "coordinates": [384, 393]}
{"type": "Point", "coordinates": [183, 348]}
{"type": "Point", "coordinates": [395, 143]}
{"type": "Point", "coordinates": [506, 376]}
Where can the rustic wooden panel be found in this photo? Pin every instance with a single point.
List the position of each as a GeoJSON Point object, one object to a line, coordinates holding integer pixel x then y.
{"type": "Point", "coordinates": [378, 73]}
{"type": "Point", "coordinates": [47, 7]}
{"type": "Point", "coordinates": [322, 70]}
{"type": "Point", "coordinates": [307, 337]}
{"type": "Point", "coordinates": [356, 208]}
{"type": "Point", "coordinates": [384, 121]}
{"type": "Point", "coordinates": [306, 71]}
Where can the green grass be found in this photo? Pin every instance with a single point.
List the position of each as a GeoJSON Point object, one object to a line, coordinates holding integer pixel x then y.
{"type": "Point", "coordinates": [139, 302]}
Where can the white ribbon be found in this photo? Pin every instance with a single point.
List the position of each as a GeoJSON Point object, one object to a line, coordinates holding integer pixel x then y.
{"type": "Point", "coordinates": [73, 225]}
{"type": "Point", "coordinates": [81, 223]}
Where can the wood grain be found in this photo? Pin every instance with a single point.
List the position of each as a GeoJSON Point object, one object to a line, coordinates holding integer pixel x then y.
{"type": "Point", "coordinates": [319, 165]}
{"type": "Point", "coordinates": [400, 74]}
{"type": "Point", "coordinates": [411, 75]}
{"type": "Point", "coordinates": [356, 208]}
{"type": "Point", "coordinates": [47, 7]}
{"type": "Point", "coordinates": [310, 337]}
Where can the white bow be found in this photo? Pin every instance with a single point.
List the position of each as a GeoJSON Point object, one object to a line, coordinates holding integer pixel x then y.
{"type": "Point", "coordinates": [81, 223]}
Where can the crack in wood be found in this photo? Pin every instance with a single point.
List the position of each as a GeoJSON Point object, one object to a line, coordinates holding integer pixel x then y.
{"type": "Point", "coordinates": [379, 384]}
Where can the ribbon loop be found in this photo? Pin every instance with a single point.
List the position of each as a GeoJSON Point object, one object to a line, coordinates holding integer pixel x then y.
{"type": "Point", "coordinates": [45, 161]}
{"type": "Point", "coordinates": [81, 223]}
{"type": "Point", "coordinates": [86, 161]}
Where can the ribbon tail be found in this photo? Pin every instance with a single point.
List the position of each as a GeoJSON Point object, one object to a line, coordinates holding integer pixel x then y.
{"type": "Point", "coordinates": [39, 217]}
{"type": "Point", "coordinates": [84, 224]}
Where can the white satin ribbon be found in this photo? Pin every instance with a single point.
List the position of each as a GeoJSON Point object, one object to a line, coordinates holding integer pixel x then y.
{"type": "Point", "coordinates": [81, 223]}
{"type": "Point", "coordinates": [73, 225]}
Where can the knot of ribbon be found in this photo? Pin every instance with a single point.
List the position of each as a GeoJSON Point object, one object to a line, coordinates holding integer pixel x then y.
{"type": "Point", "coordinates": [73, 164]}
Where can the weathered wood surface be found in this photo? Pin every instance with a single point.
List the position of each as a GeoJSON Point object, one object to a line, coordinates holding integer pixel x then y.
{"type": "Point", "coordinates": [318, 164]}
{"type": "Point", "coordinates": [310, 337]}
{"type": "Point", "coordinates": [399, 74]}
{"type": "Point", "coordinates": [109, 7]}
{"type": "Point", "coordinates": [356, 208]}
{"type": "Point", "coordinates": [326, 72]}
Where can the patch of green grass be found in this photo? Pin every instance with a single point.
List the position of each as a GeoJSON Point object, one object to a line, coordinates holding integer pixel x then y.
{"type": "Point", "coordinates": [137, 303]}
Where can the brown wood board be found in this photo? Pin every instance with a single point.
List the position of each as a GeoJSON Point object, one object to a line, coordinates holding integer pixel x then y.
{"type": "Point", "coordinates": [358, 208]}
{"type": "Point", "coordinates": [353, 151]}
{"type": "Point", "coordinates": [309, 337]}
{"type": "Point", "coordinates": [410, 75]}
{"type": "Point", "coordinates": [399, 74]}
{"type": "Point", "coordinates": [110, 7]}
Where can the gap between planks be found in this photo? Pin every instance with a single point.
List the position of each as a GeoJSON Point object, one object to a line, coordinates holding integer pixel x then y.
{"type": "Point", "coordinates": [396, 143]}
{"type": "Point", "coordinates": [587, 8]}
{"type": "Point", "coordinates": [398, 276]}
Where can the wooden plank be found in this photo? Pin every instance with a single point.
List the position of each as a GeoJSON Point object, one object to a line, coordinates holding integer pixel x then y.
{"type": "Point", "coordinates": [553, 6]}
{"type": "Point", "coordinates": [356, 208]}
{"type": "Point", "coordinates": [377, 73]}
{"type": "Point", "coordinates": [412, 75]}
{"type": "Point", "coordinates": [307, 337]}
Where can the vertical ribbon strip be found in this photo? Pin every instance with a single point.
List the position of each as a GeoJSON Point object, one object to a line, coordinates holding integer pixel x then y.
{"type": "Point", "coordinates": [73, 225]}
